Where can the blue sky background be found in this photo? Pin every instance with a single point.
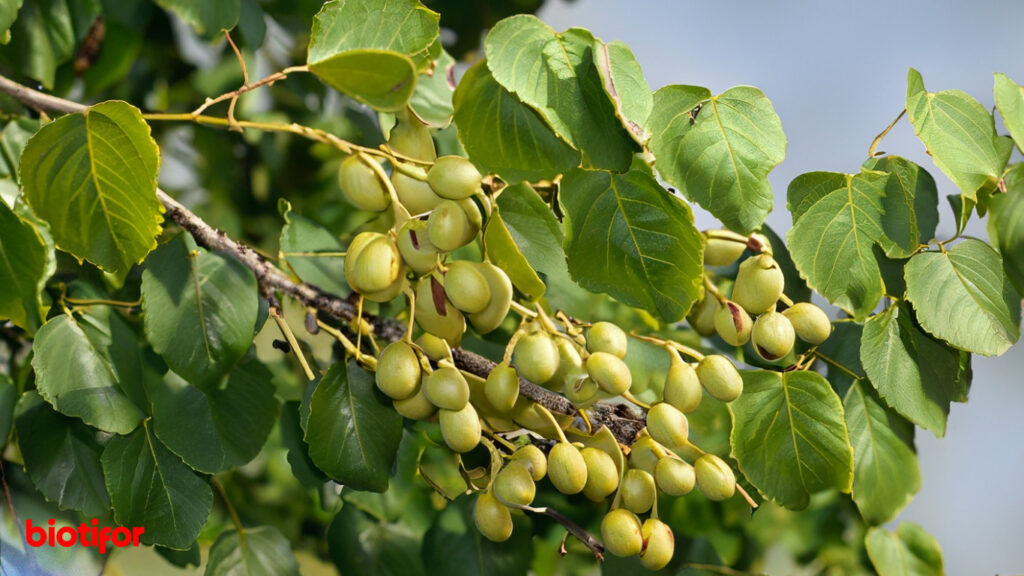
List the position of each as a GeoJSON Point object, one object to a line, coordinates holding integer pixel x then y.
{"type": "Point", "coordinates": [836, 73]}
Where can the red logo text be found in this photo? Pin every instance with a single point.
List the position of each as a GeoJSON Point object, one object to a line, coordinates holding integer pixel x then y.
{"type": "Point", "coordinates": [84, 535]}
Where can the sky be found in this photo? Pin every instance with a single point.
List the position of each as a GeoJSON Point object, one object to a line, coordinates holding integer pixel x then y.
{"type": "Point", "coordinates": [836, 74]}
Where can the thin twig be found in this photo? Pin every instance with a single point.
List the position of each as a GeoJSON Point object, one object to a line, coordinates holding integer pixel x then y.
{"type": "Point", "coordinates": [581, 533]}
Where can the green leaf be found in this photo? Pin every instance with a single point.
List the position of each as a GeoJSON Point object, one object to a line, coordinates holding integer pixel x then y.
{"type": "Point", "coordinates": [504, 253]}
{"type": "Point", "coordinates": [454, 547]}
{"type": "Point", "coordinates": [260, 551]}
{"type": "Point", "coordinates": [75, 374]}
{"type": "Point", "coordinates": [504, 136]}
{"type": "Point", "coordinates": [533, 227]}
{"type": "Point", "coordinates": [353, 433]}
{"type": "Point", "coordinates": [151, 487]}
{"type": "Point", "coordinates": [218, 427]}
{"type": "Point", "coordinates": [963, 296]}
{"type": "Point", "coordinates": [208, 18]}
{"type": "Point", "coordinates": [796, 287]}
{"type": "Point", "coordinates": [962, 208]}
{"type": "Point", "coordinates": [181, 558]}
{"type": "Point", "coordinates": [381, 79]}
{"type": "Point", "coordinates": [557, 75]}
{"type": "Point", "coordinates": [313, 253]}
{"type": "Point", "coordinates": [298, 451]}
{"type": "Point", "coordinates": [8, 398]}
{"type": "Point", "coordinates": [432, 100]}
{"type": "Point", "coordinates": [832, 236]}
{"type": "Point", "coordinates": [843, 346]}
{"type": "Point", "coordinates": [789, 436]}
{"type": "Point", "coordinates": [8, 14]}
{"type": "Point", "coordinates": [360, 545]}
{"type": "Point", "coordinates": [1006, 225]}
{"type": "Point", "coordinates": [910, 207]}
{"type": "Point", "coordinates": [625, 84]}
{"type": "Point", "coordinates": [910, 551]}
{"type": "Point", "coordinates": [92, 177]}
{"type": "Point", "coordinates": [885, 471]}
{"type": "Point", "coordinates": [26, 262]}
{"type": "Point", "coordinates": [1010, 103]}
{"type": "Point", "coordinates": [43, 37]}
{"type": "Point", "coordinates": [913, 373]}
{"type": "Point", "coordinates": [13, 138]}
{"type": "Point", "coordinates": [200, 309]}
{"type": "Point", "coordinates": [61, 456]}
{"type": "Point", "coordinates": [721, 154]}
{"type": "Point", "coordinates": [630, 238]}
{"type": "Point", "coordinates": [960, 136]}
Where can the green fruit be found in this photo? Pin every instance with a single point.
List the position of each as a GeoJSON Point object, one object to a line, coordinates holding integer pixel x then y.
{"type": "Point", "coordinates": [580, 389]}
{"type": "Point", "coordinates": [361, 186]}
{"type": "Point", "coordinates": [514, 484]}
{"type": "Point", "coordinates": [461, 428]}
{"type": "Point", "coordinates": [473, 214]}
{"type": "Point", "coordinates": [773, 335]}
{"type": "Point", "coordinates": [454, 177]}
{"type": "Point", "coordinates": [659, 544]}
{"type": "Point", "coordinates": [667, 425]}
{"type": "Point", "coordinates": [466, 287]}
{"type": "Point", "coordinates": [410, 138]}
{"type": "Point", "coordinates": [715, 479]}
{"type": "Point", "coordinates": [435, 348]}
{"type": "Point", "coordinates": [448, 227]}
{"type": "Point", "coordinates": [638, 491]}
{"type": "Point", "coordinates": [674, 477]}
{"type": "Point", "coordinates": [610, 372]}
{"type": "Point", "coordinates": [607, 337]}
{"type": "Point", "coordinates": [567, 469]}
{"type": "Point", "coordinates": [500, 288]}
{"type": "Point", "coordinates": [722, 252]}
{"type": "Point", "coordinates": [415, 247]}
{"type": "Point", "coordinates": [502, 387]}
{"type": "Point", "coordinates": [702, 316]}
{"type": "Point", "coordinates": [645, 454]}
{"type": "Point", "coordinates": [537, 460]}
{"type": "Point", "coordinates": [536, 357]}
{"type": "Point", "coordinates": [810, 322]}
{"type": "Point", "coordinates": [720, 378]}
{"type": "Point", "coordinates": [621, 532]}
{"type": "Point", "coordinates": [759, 284]}
{"type": "Point", "coordinates": [602, 475]}
{"type": "Point", "coordinates": [416, 407]}
{"type": "Point", "coordinates": [492, 518]}
{"type": "Point", "coordinates": [733, 323]}
{"type": "Point", "coordinates": [398, 371]}
{"type": "Point", "coordinates": [447, 388]}
{"type": "Point", "coordinates": [439, 317]}
{"type": "Point", "coordinates": [569, 363]}
{"type": "Point", "coordinates": [415, 195]}
{"type": "Point", "coordinates": [682, 387]}
{"type": "Point", "coordinates": [376, 267]}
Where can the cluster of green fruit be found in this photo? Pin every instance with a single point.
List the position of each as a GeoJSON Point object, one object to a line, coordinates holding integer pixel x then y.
{"type": "Point", "coordinates": [756, 293]}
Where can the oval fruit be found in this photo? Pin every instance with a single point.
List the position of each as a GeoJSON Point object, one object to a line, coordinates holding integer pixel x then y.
{"type": "Point", "coordinates": [536, 357]}
{"type": "Point", "coordinates": [448, 227]}
{"type": "Point", "coordinates": [500, 288]}
{"type": "Point", "coordinates": [447, 388]}
{"type": "Point", "coordinates": [720, 377]}
{"type": "Point", "coordinates": [810, 322]}
{"type": "Point", "coordinates": [610, 372]}
{"type": "Point", "coordinates": [514, 485]}
{"type": "Point", "coordinates": [410, 138]}
{"type": "Point", "coordinates": [702, 316]}
{"type": "Point", "coordinates": [439, 317]}
{"type": "Point", "coordinates": [607, 337]}
{"type": "Point", "coordinates": [773, 335]}
{"type": "Point", "coordinates": [492, 518]}
{"type": "Point", "coordinates": [638, 491]}
{"type": "Point", "coordinates": [722, 251]}
{"type": "Point", "coordinates": [398, 371]}
{"type": "Point", "coordinates": [667, 425]}
{"type": "Point", "coordinates": [674, 477]}
{"type": "Point", "coordinates": [454, 177]}
{"type": "Point", "coordinates": [569, 362]}
{"type": "Point", "coordinates": [645, 454]}
{"type": "Point", "coordinates": [682, 387]}
{"type": "Point", "coordinates": [416, 407]}
{"type": "Point", "coordinates": [715, 479]}
{"type": "Point", "coordinates": [733, 323]}
{"type": "Point", "coordinates": [502, 387]}
{"type": "Point", "coordinates": [415, 247]}
{"type": "Point", "coordinates": [602, 475]}
{"type": "Point", "coordinates": [659, 544]}
{"type": "Point", "coordinates": [567, 469]}
{"type": "Point", "coordinates": [361, 186]}
{"type": "Point", "coordinates": [435, 348]}
{"type": "Point", "coordinates": [461, 428]}
{"type": "Point", "coordinates": [759, 284]}
{"type": "Point", "coordinates": [466, 287]}
{"type": "Point", "coordinates": [416, 195]}
{"type": "Point", "coordinates": [621, 532]}
{"type": "Point", "coordinates": [377, 266]}
{"type": "Point", "coordinates": [580, 389]}
{"type": "Point", "coordinates": [537, 460]}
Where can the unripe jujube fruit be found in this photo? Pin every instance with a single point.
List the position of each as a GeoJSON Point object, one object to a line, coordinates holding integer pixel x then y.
{"type": "Point", "coordinates": [500, 289]}
{"type": "Point", "coordinates": [435, 348]}
{"type": "Point", "coordinates": [502, 387]}
{"type": "Point", "coordinates": [645, 454]}
{"type": "Point", "coordinates": [682, 387]}
{"type": "Point", "coordinates": [398, 371]}
{"type": "Point", "coordinates": [810, 323]}
{"type": "Point", "coordinates": [448, 227]}
{"type": "Point", "coordinates": [621, 532]}
{"type": "Point", "coordinates": [567, 469]}
{"type": "Point", "coordinates": [415, 195]}
{"type": "Point", "coordinates": [415, 247]}
{"type": "Point", "coordinates": [715, 479]}
{"type": "Point", "coordinates": [674, 476]}
{"type": "Point", "coordinates": [410, 138]}
{"type": "Point", "coordinates": [447, 388]}
{"type": "Point", "coordinates": [602, 475]}
{"type": "Point", "coordinates": [659, 544]}
{"type": "Point", "coordinates": [454, 177]}
{"type": "Point", "coordinates": [361, 186]}
{"type": "Point", "coordinates": [773, 335]}
{"type": "Point", "coordinates": [759, 284]}
{"type": "Point", "coordinates": [607, 337]}
{"type": "Point", "coordinates": [667, 425]}
{"type": "Point", "coordinates": [446, 322]}
{"type": "Point", "coordinates": [538, 461]}
{"type": "Point", "coordinates": [580, 389]}
{"type": "Point", "coordinates": [376, 267]}
{"type": "Point", "coordinates": [569, 363]}
{"type": "Point", "coordinates": [610, 372]}
{"type": "Point", "coordinates": [702, 316]}
{"type": "Point", "coordinates": [733, 323]}
{"type": "Point", "coordinates": [492, 518]}
{"type": "Point", "coordinates": [514, 484]}
{"type": "Point", "coordinates": [416, 407]}
{"type": "Point", "coordinates": [536, 357]}
{"type": "Point", "coordinates": [638, 491]}
{"type": "Point", "coordinates": [461, 428]}
{"type": "Point", "coordinates": [722, 252]}
{"type": "Point", "coordinates": [466, 287]}
{"type": "Point", "coordinates": [720, 377]}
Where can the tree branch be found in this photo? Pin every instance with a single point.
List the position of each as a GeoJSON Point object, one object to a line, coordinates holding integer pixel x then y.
{"type": "Point", "coordinates": [624, 422]}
